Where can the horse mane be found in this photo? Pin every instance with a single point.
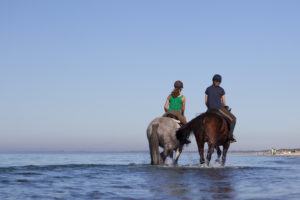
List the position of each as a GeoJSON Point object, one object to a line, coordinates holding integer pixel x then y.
{"type": "Point", "coordinates": [183, 133]}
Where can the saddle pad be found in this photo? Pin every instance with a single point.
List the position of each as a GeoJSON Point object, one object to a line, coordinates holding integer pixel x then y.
{"type": "Point", "coordinates": [177, 121]}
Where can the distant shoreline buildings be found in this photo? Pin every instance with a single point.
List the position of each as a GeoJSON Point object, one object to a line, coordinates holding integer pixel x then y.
{"type": "Point", "coordinates": [283, 152]}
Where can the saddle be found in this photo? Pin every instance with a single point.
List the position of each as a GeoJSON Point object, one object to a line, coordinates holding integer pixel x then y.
{"type": "Point", "coordinates": [175, 118]}
{"type": "Point", "coordinates": [215, 111]}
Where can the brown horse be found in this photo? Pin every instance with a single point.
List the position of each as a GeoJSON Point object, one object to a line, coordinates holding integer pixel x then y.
{"type": "Point", "coordinates": [210, 128]}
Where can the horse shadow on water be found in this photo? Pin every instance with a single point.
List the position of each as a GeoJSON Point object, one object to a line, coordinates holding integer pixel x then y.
{"type": "Point", "coordinates": [208, 128]}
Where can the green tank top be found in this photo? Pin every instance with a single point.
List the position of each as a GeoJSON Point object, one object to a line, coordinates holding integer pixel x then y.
{"type": "Point", "coordinates": [175, 103]}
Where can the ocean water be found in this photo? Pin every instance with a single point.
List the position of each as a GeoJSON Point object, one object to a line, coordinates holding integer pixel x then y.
{"type": "Point", "coordinates": [129, 176]}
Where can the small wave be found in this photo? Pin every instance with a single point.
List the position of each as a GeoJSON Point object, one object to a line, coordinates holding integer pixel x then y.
{"type": "Point", "coordinates": [7, 169]}
{"type": "Point", "coordinates": [28, 174]}
{"type": "Point", "coordinates": [132, 164]}
{"type": "Point", "coordinates": [62, 177]}
{"type": "Point", "coordinates": [53, 167]}
{"type": "Point", "coordinates": [5, 181]}
{"type": "Point", "coordinates": [22, 180]}
{"type": "Point", "coordinates": [122, 186]}
{"type": "Point", "coordinates": [205, 167]}
{"type": "Point", "coordinates": [22, 170]}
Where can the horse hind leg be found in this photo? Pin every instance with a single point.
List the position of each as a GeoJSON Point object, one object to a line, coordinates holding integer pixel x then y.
{"type": "Point", "coordinates": [201, 153]}
{"type": "Point", "coordinates": [163, 156]}
{"type": "Point", "coordinates": [211, 148]}
{"type": "Point", "coordinates": [219, 152]}
{"type": "Point", "coordinates": [225, 149]}
{"type": "Point", "coordinates": [170, 153]}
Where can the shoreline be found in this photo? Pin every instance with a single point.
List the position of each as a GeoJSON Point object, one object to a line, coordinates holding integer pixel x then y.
{"type": "Point", "coordinates": [253, 153]}
{"type": "Point", "coordinates": [263, 153]}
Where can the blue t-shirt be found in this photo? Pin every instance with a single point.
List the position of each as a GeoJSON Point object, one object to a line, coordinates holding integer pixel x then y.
{"type": "Point", "coordinates": [214, 94]}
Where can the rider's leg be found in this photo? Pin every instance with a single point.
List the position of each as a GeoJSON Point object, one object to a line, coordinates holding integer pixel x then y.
{"type": "Point", "coordinates": [182, 120]}
{"type": "Point", "coordinates": [227, 114]}
{"type": "Point", "coordinates": [230, 134]}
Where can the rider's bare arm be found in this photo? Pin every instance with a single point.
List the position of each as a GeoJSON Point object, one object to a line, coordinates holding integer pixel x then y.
{"type": "Point", "coordinates": [167, 104]}
{"type": "Point", "coordinates": [183, 105]}
{"type": "Point", "coordinates": [223, 100]}
{"type": "Point", "coordinates": [206, 96]}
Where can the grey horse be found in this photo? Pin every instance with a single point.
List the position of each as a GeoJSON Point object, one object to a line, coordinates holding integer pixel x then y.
{"type": "Point", "coordinates": [162, 132]}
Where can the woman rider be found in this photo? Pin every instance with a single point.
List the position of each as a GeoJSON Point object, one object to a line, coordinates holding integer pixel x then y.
{"type": "Point", "coordinates": [215, 101]}
{"type": "Point", "coordinates": [175, 103]}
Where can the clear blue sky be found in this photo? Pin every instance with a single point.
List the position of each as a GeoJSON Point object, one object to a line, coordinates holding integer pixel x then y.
{"type": "Point", "coordinates": [91, 75]}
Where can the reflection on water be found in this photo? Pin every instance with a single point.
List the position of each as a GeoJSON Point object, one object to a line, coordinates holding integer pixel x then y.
{"type": "Point", "coordinates": [187, 183]}
{"type": "Point", "coordinates": [221, 184]}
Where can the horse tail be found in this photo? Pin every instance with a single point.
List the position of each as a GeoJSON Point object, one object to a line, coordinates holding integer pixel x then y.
{"type": "Point", "coordinates": [153, 145]}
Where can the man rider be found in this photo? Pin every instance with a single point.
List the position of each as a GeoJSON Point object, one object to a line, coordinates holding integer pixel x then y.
{"type": "Point", "coordinates": [215, 101]}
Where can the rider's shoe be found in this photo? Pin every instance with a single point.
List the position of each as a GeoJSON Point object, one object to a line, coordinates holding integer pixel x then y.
{"type": "Point", "coordinates": [232, 139]}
